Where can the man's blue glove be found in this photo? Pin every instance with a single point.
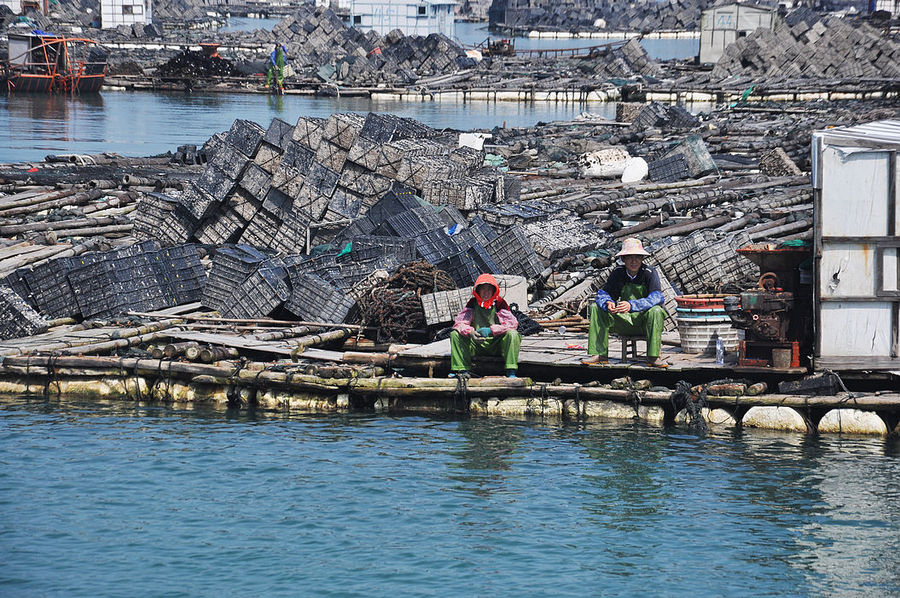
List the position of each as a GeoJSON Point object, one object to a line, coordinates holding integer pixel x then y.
{"type": "Point", "coordinates": [484, 331]}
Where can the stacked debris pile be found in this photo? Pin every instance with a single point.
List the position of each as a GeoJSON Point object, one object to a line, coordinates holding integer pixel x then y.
{"type": "Point", "coordinates": [805, 46]}
{"type": "Point", "coordinates": [139, 277]}
{"type": "Point", "coordinates": [192, 64]}
{"type": "Point", "coordinates": [626, 60]}
{"type": "Point", "coordinates": [286, 186]}
{"type": "Point", "coordinates": [319, 42]}
{"type": "Point", "coordinates": [597, 16]}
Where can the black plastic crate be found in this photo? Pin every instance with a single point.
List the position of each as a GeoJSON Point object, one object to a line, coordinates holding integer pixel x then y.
{"type": "Point", "coordinates": [322, 179]}
{"type": "Point", "coordinates": [16, 281]}
{"type": "Point", "coordinates": [435, 246]}
{"type": "Point", "coordinates": [483, 231]}
{"type": "Point", "coordinates": [17, 318]}
{"type": "Point", "coordinates": [256, 182]}
{"type": "Point", "coordinates": [461, 268]}
{"type": "Point", "coordinates": [669, 169]}
{"type": "Point", "coordinates": [513, 253]}
{"type": "Point", "coordinates": [51, 292]}
{"type": "Point", "coordinates": [262, 293]}
{"type": "Point", "coordinates": [279, 133]}
{"type": "Point", "coordinates": [315, 299]}
{"type": "Point", "coordinates": [215, 183]}
{"type": "Point", "coordinates": [231, 266]}
{"type": "Point", "coordinates": [397, 200]}
{"type": "Point", "coordinates": [410, 223]}
{"type": "Point", "coordinates": [367, 248]}
{"type": "Point", "coordinates": [298, 156]}
{"type": "Point", "coordinates": [246, 136]}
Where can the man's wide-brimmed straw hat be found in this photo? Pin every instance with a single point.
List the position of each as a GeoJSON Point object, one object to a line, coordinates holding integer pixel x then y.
{"type": "Point", "coordinates": [632, 247]}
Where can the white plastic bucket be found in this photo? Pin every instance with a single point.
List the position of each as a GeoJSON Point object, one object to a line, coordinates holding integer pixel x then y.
{"type": "Point", "coordinates": [699, 335]}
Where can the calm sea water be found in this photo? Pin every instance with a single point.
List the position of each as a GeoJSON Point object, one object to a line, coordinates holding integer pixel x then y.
{"type": "Point", "coordinates": [123, 499]}
{"type": "Point", "coordinates": [146, 123]}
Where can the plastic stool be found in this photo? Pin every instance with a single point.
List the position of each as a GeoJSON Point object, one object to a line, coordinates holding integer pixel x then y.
{"type": "Point", "coordinates": [629, 345]}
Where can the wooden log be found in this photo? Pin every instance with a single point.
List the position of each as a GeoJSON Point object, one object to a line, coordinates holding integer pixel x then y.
{"type": "Point", "coordinates": [34, 257]}
{"type": "Point", "coordinates": [21, 193]}
{"type": "Point", "coordinates": [786, 229]}
{"type": "Point", "coordinates": [213, 354]}
{"type": "Point", "coordinates": [629, 231]}
{"type": "Point", "coordinates": [57, 225]}
{"type": "Point", "coordinates": [189, 317]}
{"type": "Point", "coordinates": [95, 231]}
{"type": "Point", "coordinates": [684, 228]}
{"type": "Point", "coordinates": [193, 353]}
{"type": "Point", "coordinates": [173, 350]}
{"type": "Point", "coordinates": [305, 342]}
{"type": "Point", "coordinates": [8, 203]}
{"type": "Point", "coordinates": [121, 343]}
{"type": "Point", "coordinates": [70, 200]}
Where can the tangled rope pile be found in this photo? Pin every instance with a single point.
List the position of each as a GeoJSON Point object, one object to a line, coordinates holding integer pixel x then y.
{"type": "Point", "coordinates": [394, 307]}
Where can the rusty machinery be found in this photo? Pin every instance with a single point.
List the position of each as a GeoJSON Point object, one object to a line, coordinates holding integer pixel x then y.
{"type": "Point", "coordinates": [775, 314]}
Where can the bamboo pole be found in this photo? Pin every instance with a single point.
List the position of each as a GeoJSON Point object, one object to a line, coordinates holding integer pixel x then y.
{"type": "Point", "coordinates": [95, 231]}
{"type": "Point", "coordinates": [7, 204]}
{"type": "Point", "coordinates": [58, 225]}
{"type": "Point", "coordinates": [189, 317]}
{"type": "Point", "coordinates": [305, 342]}
{"type": "Point", "coordinates": [121, 343]}
{"type": "Point", "coordinates": [682, 229]}
{"type": "Point", "coordinates": [33, 257]}
{"type": "Point", "coordinates": [88, 344]}
{"type": "Point", "coordinates": [68, 200]}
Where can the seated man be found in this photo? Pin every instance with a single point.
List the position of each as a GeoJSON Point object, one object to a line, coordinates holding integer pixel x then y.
{"type": "Point", "coordinates": [629, 303]}
{"type": "Point", "coordinates": [485, 326]}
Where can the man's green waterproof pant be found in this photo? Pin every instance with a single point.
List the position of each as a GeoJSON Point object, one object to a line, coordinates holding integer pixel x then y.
{"type": "Point", "coordinates": [648, 324]}
{"type": "Point", "coordinates": [462, 348]}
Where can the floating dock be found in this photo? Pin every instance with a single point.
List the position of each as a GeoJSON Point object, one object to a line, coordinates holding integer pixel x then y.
{"type": "Point", "coordinates": [409, 379]}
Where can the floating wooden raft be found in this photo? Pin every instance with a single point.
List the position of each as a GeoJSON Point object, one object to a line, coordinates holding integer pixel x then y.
{"type": "Point", "coordinates": [243, 384]}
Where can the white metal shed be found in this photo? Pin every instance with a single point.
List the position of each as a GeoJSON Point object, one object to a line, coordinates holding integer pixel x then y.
{"type": "Point", "coordinates": [857, 258]}
{"type": "Point", "coordinates": [721, 25]}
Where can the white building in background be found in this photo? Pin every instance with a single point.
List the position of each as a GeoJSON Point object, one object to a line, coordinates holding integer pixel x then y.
{"type": "Point", "coordinates": [20, 6]}
{"type": "Point", "coordinates": [891, 6]}
{"type": "Point", "coordinates": [412, 17]}
{"type": "Point", "coordinates": [125, 12]}
{"type": "Point", "coordinates": [721, 25]}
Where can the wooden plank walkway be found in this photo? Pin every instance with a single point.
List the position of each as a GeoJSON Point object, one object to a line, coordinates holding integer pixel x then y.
{"type": "Point", "coordinates": [563, 351]}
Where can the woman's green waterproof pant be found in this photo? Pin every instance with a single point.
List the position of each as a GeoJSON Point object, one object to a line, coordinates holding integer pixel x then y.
{"type": "Point", "coordinates": [463, 348]}
{"type": "Point", "coordinates": [648, 324]}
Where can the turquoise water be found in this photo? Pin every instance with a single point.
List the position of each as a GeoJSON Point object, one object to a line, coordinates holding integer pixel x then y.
{"type": "Point", "coordinates": [123, 499]}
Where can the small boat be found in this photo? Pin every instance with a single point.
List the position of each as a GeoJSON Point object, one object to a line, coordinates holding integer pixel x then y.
{"type": "Point", "coordinates": [47, 63]}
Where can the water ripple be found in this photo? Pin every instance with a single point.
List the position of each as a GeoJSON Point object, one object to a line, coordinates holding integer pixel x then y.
{"type": "Point", "coordinates": [104, 499]}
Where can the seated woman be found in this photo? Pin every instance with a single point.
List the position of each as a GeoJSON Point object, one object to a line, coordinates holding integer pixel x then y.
{"type": "Point", "coordinates": [629, 303]}
{"type": "Point", "coordinates": [485, 326]}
